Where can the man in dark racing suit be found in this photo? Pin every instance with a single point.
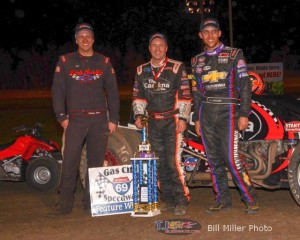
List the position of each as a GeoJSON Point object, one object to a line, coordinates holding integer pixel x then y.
{"type": "Point", "coordinates": [162, 89]}
{"type": "Point", "coordinates": [80, 84]}
{"type": "Point", "coordinates": [222, 98]}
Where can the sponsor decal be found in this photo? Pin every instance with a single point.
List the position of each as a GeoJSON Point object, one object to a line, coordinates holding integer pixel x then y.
{"type": "Point", "coordinates": [191, 76]}
{"type": "Point", "coordinates": [201, 60]}
{"type": "Point", "coordinates": [244, 74]}
{"type": "Point", "coordinates": [223, 60]}
{"type": "Point", "coordinates": [85, 76]}
{"type": "Point", "coordinates": [147, 69]}
{"type": "Point", "coordinates": [214, 76]}
{"type": "Point", "coordinates": [194, 83]}
{"type": "Point", "coordinates": [184, 78]}
{"type": "Point", "coordinates": [168, 68]}
{"type": "Point", "coordinates": [233, 53]}
{"type": "Point", "coordinates": [246, 178]}
{"type": "Point", "coordinates": [214, 87]}
{"type": "Point", "coordinates": [241, 70]}
{"type": "Point", "coordinates": [292, 126]}
{"type": "Point", "coordinates": [183, 87]}
{"type": "Point", "coordinates": [224, 55]}
{"type": "Point", "coordinates": [237, 161]}
{"type": "Point", "coordinates": [184, 81]}
{"type": "Point", "coordinates": [186, 92]}
{"type": "Point", "coordinates": [193, 60]}
{"type": "Point", "coordinates": [85, 72]}
{"type": "Point", "coordinates": [161, 85]}
{"type": "Point", "coordinates": [206, 68]}
{"type": "Point", "coordinates": [177, 226]}
{"type": "Point", "coordinates": [198, 70]}
{"type": "Point", "coordinates": [241, 63]}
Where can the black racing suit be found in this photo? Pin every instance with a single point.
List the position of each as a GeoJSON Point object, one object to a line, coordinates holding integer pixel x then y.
{"type": "Point", "coordinates": [166, 100]}
{"type": "Point", "coordinates": [79, 93]}
{"type": "Point", "coordinates": [220, 80]}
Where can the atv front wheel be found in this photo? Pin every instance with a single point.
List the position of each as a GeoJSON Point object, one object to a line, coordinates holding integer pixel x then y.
{"type": "Point", "coordinates": [294, 174]}
{"type": "Point", "coordinates": [43, 174]}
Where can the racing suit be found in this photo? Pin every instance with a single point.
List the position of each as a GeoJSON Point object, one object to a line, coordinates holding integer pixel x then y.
{"type": "Point", "coordinates": [164, 93]}
{"type": "Point", "coordinates": [78, 94]}
{"type": "Point", "coordinates": [220, 79]}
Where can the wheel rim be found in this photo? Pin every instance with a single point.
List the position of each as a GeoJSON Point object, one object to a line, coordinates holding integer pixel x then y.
{"type": "Point", "coordinates": [110, 159]}
{"type": "Point", "coordinates": [42, 175]}
{"type": "Point", "coordinates": [298, 174]}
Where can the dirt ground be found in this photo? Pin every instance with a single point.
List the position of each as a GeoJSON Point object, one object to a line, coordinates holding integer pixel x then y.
{"type": "Point", "coordinates": [27, 214]}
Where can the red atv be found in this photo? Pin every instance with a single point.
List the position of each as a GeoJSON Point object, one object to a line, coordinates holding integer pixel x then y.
{"type": "Point", "coordinates": [31, 158]}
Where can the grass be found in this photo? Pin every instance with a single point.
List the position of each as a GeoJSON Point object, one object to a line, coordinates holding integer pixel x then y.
{"type": "Point", "coordinates": [17, 112]}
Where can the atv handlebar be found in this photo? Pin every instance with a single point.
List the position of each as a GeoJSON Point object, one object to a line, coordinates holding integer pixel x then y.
{"type": "Point", "coordinates": [34, 131]}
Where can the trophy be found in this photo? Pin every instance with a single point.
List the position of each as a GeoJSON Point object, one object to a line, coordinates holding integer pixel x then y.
{"type": "Point", "coordinates": [145, 195]}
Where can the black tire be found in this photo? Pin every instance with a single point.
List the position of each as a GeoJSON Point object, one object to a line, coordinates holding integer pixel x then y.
{"type": "Point", "coordinates": [122, 145]}
{"type": "Point", "coordinates": [294, 174]}
{"type": "Point", "coordinates": [43, 174]}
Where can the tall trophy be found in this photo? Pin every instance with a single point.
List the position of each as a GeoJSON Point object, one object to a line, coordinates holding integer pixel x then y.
{"type": "Point", "coordinates": [145, 195]}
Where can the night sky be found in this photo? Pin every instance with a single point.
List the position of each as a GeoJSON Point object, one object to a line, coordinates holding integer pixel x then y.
{"type": "Point", "coordinates": [259, 27]}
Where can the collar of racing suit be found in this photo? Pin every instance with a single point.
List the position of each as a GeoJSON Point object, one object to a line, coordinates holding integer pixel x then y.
{"type": "Point", "coordinates": [216, 51]}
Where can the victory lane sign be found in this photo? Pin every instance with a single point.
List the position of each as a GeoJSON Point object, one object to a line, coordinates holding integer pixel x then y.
{"type": "Point", "coordinates": [111, 190]}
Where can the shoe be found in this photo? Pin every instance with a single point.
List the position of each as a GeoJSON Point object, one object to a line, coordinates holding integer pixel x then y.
{"type": "Point", "coordinates": [252, 208]}
{"type": "Point", "coordinates": [62, 209]}
{"type": "Point", "coordinates": [180, 210]}
{"type": "Point", "coordinates": [66, 211]}
{"type": "Point", "coordinates": [163, 206]}
{"type": "Point", "coordinates": [219, 207]}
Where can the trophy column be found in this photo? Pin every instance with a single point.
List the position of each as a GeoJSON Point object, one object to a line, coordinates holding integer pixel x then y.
{"type": "Point", "coordinates": [145, 194]}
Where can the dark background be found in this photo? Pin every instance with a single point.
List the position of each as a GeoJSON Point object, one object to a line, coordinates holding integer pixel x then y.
{"type": "Point", "coordinates": [267, 31]}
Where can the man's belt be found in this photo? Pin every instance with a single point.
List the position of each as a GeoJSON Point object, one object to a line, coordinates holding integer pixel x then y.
{"type": "Point", "coordinates": [163, 115]}
{"type": "Point", "coordinates": [219, 100]}
{"type": "Point", "coordinates": [86, 112]}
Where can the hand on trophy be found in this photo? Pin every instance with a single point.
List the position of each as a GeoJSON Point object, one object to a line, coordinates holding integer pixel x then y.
{"type": "Point", "coordinates": [141, 121]}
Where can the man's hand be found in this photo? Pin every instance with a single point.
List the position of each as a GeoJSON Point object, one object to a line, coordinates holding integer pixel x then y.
{"type": "Point", "coordinates": [181, 126]}
{"type": "Point", "coordinates": [138, 122]}
{"type": "Point", "coordinates": [197, 128]}
{"type": "Point", "coordinates": [243, 123]}
{"type": "Point", "coordinates": [65, 124]}
{"type": "Point", "coordinates": [112, 127]}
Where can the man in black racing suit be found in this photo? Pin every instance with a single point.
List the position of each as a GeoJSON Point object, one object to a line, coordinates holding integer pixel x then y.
{"type": "Point", "coordinates": [81, 81]}
{"type": "Point", "coordinates": [222, 98]}
{"type": "Point", "coordinates": [162, 89]}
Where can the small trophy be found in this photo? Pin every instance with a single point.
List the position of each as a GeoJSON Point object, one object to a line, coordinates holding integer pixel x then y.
{"type": "Point", "coordinates": [145, 195]}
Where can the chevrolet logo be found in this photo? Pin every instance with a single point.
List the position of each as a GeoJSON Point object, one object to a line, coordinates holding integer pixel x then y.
{"type": "Point", "coordinates": [213, 76]}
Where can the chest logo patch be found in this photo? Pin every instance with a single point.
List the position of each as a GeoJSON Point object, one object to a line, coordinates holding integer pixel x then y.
{"type": "Point", "coordinates": [214, 76]}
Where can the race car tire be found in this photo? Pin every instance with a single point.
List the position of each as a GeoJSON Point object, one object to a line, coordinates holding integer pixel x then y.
{"type": "Point", "coordinates": [43, 174]}
{"type": "Point", "coordinates": [294, 174]}
{"type": "Point", "coordinates": [121, 147]}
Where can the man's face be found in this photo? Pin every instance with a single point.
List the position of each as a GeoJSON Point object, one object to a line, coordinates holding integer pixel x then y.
{"type": "Point", "coordinates": [158, 49]}
{"type": "Point", "coordinates": [210, 36]}
{"type": "Point", "coordinates": [85, 41]}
